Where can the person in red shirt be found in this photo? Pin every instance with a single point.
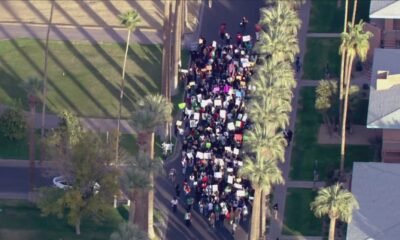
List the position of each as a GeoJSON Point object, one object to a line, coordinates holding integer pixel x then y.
{"type": "Point", "coordinates": [257, 30]}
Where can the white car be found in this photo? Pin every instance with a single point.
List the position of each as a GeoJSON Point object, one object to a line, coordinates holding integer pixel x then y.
{"type": "Point", "coordinates": [61, 182]}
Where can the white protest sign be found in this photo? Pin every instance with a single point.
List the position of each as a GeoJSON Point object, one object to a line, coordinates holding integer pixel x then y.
{"type": "Point", "coordinates": [246, 38]}
{"type": "Point", "coordinates": [218, 174]}
{"type": "Point", "coordinates": [222, 113]}
{"type": "Point", "coordinates": [230, 179]}
{"type": "Point", "coordinates": [240, 193]}
{"type": "Point", "coordinates": [200, 155]}
{"type": "Point", "coordinates": [217, 102]}
{"type": "Point", "coordinates": [196, 116]}
{"type": "Point", "coordinates": [231, 126]}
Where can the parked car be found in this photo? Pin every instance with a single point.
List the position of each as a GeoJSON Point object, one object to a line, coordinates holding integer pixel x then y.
{"type": "Point", "coordinates": [61, 182]}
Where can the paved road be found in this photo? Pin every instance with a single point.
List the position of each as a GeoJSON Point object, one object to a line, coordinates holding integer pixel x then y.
{"type": "Point", "coordinates": [15, 179]}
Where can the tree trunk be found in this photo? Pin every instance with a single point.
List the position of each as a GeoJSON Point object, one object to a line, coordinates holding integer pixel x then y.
{"type": "Point", "coordinates": [46, 56]}
{"type": "Point", "coordinates": [346, 101]}
{"type": "Point", "coordinates": [166, 57]}
{"type": "Point", "coordinates": [353, 19]}
{"type": "Point", "coordinates": [32, 147]}
{"type": "Point", "coordinates": [342, 65]}
{"type": "Point", "coordinates": [176, 46]}
{"type": "Point", "coordinates": [263, 227]}
{"type": "Point", "coordinates": [121, 96]}
{"type": "Point", "coordinates": [255, 216]}
{"type": "Point", "coordinates": [78, 226]}
{"type": "Point", "coordinates": [132, 207]}
{"type": "Point", "coordinates": [150, 194]}
{"type": "Point", "coordinates": [332, 225]}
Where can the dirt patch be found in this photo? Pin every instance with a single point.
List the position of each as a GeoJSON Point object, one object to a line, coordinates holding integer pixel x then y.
{"type": "Point", "coordinates": [360, 135]}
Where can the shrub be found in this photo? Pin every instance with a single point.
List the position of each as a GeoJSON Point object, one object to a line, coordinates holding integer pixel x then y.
{"type": "Point", "coordinates": [13, 124]}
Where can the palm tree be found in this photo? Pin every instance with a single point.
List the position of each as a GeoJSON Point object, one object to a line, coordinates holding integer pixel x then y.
{"type": "Point", "coordinates": [32, 88]}
{"type": "Point", "coordinates": [342, 63]}
{"type": "Point", "coordinates": [326, 92]}
{"type": "Point", "coordinates": [353, 18]}
{"type": "Point", "coordinates": [275, 74]}
{"type": "Point", "coordinates": [152, 111]}
{"type": "Point", "coordinates": [270, 112]}
{"type": "Point", "coordinates": [44, 93]}
{"type": "Point", "coordinates": [280, 44]}
{"type": "Point", "coordinates": [281, 16]}
{"type": "Point", "coordinates": [355, 43]}
{"type": "Point", "coordinates": [128, 231]}
{"type": "Point", "coordinates": [130, 20]}
{"type": "Point", "coordinates": [337, 203]}
{"type": "Point", "coordinates": [262, 173]}
{"type": "Point", "coordinates": [136, 180]}
{"type": "Point", "coordinates": [264, 141]}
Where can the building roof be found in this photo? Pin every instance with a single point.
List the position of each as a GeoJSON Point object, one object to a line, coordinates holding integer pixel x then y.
{"type": "Point", "coordinates": [384, 105]}
{"type": "Point", "coordinates": [384, 9]}
{"type": "Point", "coordinates": [375, 185]}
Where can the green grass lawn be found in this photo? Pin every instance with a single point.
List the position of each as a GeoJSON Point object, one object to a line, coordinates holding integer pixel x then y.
{"type": "Point", "coordinates": [326, 17]}
{"type": "Point", "coordinates": [306, 150]}
{"type": "Point", "coordinates": [24, 221]}
{"type": "Point", "coordinates": [319, 53]}
{"type": "Point", "coordinates": [83, 78]}
{"type": "Point", "coordinates": [299, 219]}
{"type": "Point", "coordinates": [18, 149]}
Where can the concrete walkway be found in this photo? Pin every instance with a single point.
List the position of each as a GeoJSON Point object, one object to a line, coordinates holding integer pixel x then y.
{"type": "Point", "coordinates": [323, 35]}
{"type": "Point", "coordinates": [304, 184]}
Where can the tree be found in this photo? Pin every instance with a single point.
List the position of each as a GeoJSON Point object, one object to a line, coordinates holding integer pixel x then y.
{"type": "Point", "coordinates": [281, 16]}
{"type": "Point", "coordinates": [279, 43]}
{"type": "Point", "coordinates": [337, 203]}
{"type": "Point", "coordinates": [152, 111]}
{"type": "Point", "coordinates": [262, 173]}
{"type": "Point", "coordinates": [32, 88]}
{"type": "Point", "coordinates": [326, 93]}
{"type": "Point", "coordinates": [135, 179]}
{"type": "Point", "coordinates": [130, 20]}
{"type": "Point", "coordinates": [355, 43]}
{"type": "Point", "coordinates": [13, 124]}
{"type": "Point", "coordinates": [264, 141]}
{"type": "Point", "coordinates": [128, 231]}
{"type": "Point", "coordinates": [342, 64]}
{"type": "Point", "coordinates": [267, 112]}
{"type": "Point", "coordinates": [86, 166]}
{"type": "Point", "coordinates": [44, 92]}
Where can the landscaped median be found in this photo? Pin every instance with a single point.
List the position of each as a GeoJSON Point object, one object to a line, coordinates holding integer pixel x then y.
{"type": "Point", "coordinates": [21, 220]}
{"type": "Point", "coordinates": [308, 155]}
{"type": "Point", "coordinates": [322, 56]}
{"type": "Point", "coordinates": [327, 17]}
{"type": "Point", "coordinates": [83, 78]}
{"type": "Point", "coordinates": [299, 219]}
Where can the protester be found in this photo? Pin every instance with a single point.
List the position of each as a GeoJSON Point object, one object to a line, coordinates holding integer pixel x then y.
{"type": "Point", "coordinates": [174, 204]}
{"type": "Point", "coordinates": [188, 218]}
{"type": "Point", "coordinates": [212, 127]}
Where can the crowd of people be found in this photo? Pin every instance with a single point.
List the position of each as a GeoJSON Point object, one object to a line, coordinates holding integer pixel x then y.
{"type": "Point", "coordinates": [211, 129]}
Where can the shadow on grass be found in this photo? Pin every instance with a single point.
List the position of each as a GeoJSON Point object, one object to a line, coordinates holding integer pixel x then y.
{"type": "Point", "coordinates": [299, 220]}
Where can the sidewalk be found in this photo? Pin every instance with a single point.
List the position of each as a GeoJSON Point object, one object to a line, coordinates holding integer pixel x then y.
{"type": "Point", "coordinates": [324, 35]}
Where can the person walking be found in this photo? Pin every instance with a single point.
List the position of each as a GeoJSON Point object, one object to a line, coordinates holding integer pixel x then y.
{"type": "Point", "coordinates": [222, 31]}
{"type": "Point", "coordinates": [243, 24]}
{"type": "Point", "coordinates": [211, 220]}
{"type": "Point", "coordinates": [188, 219]}
{"type": "Point", "coordinates": [298, 64]}
{"type": "Point", "coordinates": [174, 204]}
{"type": "Point", "coordinates": [234, 227]}
{"type": "Point", "coordinates": [245, 212]}
{"type": "Point", "coordinates": [257, 31]}
{"type": "Point", "coordinates": [177, 190]}
{"type": "Point", "coordinates": [275, 208]}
